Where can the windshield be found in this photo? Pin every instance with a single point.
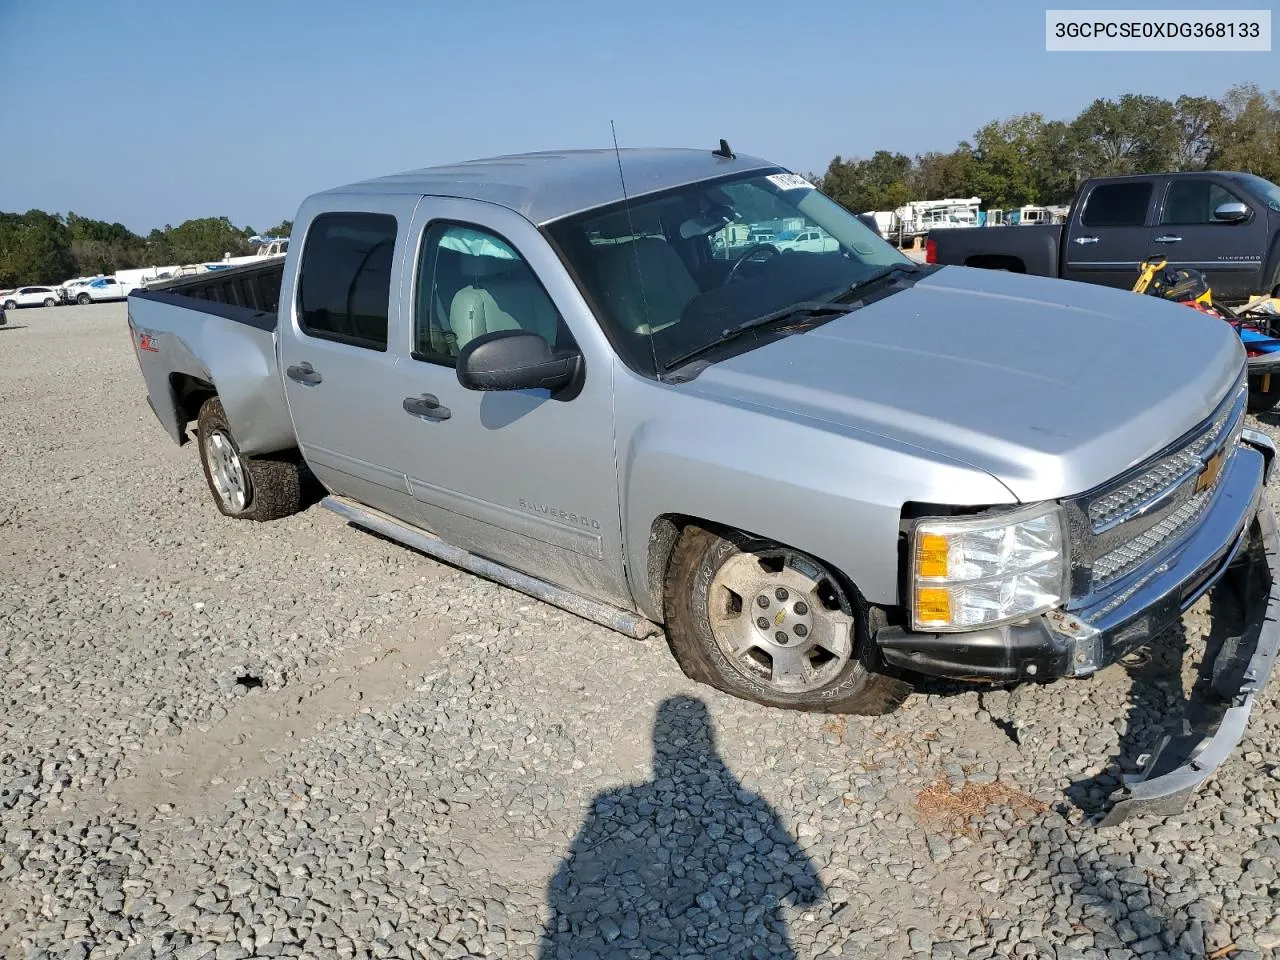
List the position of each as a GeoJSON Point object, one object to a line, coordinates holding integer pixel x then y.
{"type": "Point", "coordinates": [1264, 190]}
{"type": "Point", "coordinates": [674, 271]}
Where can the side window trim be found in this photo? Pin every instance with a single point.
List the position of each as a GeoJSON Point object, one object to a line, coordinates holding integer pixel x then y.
{"type": "Point", "coordinates": [424, 255]}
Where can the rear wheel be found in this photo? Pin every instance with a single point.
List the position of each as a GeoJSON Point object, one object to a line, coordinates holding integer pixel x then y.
{"type": "Point", "coordinates": [249, 488]}
{"type": "Point", "coordinates": [767, 623]}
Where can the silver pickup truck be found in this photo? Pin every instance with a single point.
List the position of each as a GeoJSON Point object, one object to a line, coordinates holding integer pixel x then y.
{"type": "Point", "coordinates": [827, 473]}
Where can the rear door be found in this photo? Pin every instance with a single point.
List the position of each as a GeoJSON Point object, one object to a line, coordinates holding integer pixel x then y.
{"type": "Point", "coordinates": [1190, 234]}
{"type": "Point", "coordinates": [519, 477]}
{"type": "Point", "coordinates": [1109, 234]}
{"type": "Point", "coordinates": [334, 335]}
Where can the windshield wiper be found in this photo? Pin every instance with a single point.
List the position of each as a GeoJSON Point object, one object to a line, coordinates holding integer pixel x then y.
{"type": "Point", "coordinates": [807, 308]}
{"type": "Point", "coordinates": [889, 271]}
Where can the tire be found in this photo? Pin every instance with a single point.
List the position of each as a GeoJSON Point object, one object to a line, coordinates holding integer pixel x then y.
{"type": "Point", "coordinates": [704, 617]}
{"type": "Point", "coordinates": [50, 302]}
{"type": "Point", "coordinates": [84, 300]}
{"type": "Point", "coordinates": [11, 305]}
{"type": "Point", "coordinates": [1260, 401]}
{"type": "Point", "coordinates": [247, 488]}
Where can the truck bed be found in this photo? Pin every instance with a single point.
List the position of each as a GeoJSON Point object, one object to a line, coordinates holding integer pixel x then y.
{"type": "Point", "coordinates": [214, 334]}
{"type": "Point", "coordinates": [1031, 249]}
{"type": "Point", "coordinates": [251, 286]}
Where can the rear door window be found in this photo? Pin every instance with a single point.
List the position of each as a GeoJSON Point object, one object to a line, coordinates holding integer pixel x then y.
{"type": "Point", "coordinates": [1117, 205]}
{"type": "Point", "coordinates": [344, 291]}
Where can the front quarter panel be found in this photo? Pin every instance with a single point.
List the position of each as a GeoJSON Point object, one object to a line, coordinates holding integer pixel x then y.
{"type": "Point", "coordinates": [832, 492]}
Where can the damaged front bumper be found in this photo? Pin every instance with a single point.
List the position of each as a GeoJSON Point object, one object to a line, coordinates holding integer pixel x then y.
{"type": "Point", "coordinates": [1231, 679]}
{"type": "Point", "coordinates": [1235, 553]}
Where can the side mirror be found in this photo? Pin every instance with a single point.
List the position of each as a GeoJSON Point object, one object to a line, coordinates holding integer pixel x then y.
{"type": "Point", "coordinates": [1233, 212]}
{"type": "Point", "coordinates": [516, 360]}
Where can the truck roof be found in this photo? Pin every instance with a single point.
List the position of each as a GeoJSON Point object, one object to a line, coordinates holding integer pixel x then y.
{"type": "Point", "coordinates": [549, 185]}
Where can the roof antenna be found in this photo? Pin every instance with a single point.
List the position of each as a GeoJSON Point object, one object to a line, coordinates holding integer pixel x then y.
{"type": "Point", "coordinates": [724, 150]}
{"type": "Point", "coordinates": [631, 227]}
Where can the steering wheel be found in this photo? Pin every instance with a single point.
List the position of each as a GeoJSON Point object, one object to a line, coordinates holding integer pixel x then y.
{"type": "Point", "coordinates": [747, 254]}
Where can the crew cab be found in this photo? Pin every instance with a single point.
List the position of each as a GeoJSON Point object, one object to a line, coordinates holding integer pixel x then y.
{"type": "Point", "coordinates": [31, 297]}
{"type": "Point", "coordinates": [824, 474]}
{"type": "Point", "coordinates": [1226, 225]}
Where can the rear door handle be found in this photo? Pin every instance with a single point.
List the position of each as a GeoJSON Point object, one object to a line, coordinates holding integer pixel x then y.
{"type": "Point", "coordinates": [1168, 238]}
{"type": "Point", "coordinates": [427, 407]}
{"type": "Point", "coordinates": [1083, 240]}
{"type": "Point", "coordinates": [303, 373]}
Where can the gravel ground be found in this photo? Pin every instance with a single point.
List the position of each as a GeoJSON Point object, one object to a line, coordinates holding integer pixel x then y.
{"type": "Point", "coordinates": [225, 740]}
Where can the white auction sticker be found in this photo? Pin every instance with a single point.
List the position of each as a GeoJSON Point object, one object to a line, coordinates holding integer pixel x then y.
{"type": "Point", "coordinates": [1158, 30]}
{"type": "Point", "coordinates": [789, 181]}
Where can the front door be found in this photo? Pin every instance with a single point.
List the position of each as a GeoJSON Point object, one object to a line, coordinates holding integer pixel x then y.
{"type": "Point", "coordinates": [1190, 234]}
{"type": "Point", "coordinates": [334, 352]}
{"type": "Point", "coordinates": [520, 477]}
{"type": "Point", "coordinates": [1108, 237]}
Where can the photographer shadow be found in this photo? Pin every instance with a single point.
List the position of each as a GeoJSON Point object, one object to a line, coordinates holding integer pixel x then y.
{"type": "Point", "coordinates": [686, 863]}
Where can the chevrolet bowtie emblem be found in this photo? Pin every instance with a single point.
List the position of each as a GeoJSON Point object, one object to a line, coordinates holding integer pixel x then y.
{"type": "Point", "coordinates": [1212, 468]}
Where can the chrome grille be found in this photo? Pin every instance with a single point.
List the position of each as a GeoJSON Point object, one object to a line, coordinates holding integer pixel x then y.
{"type": "Point", "coordinates": [1123, 559]}
{"type": "Point", "coordinates": [1133, 497]}
{"type": "Point", "coordinates": [1120, 529]}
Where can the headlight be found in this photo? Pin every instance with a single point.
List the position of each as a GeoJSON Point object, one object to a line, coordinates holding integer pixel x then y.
{"type": "Point", "coordinates": [979, 572]}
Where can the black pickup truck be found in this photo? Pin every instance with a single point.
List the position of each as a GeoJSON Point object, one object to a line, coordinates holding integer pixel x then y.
{"type": "Point", "coordinates": [1226, 225]}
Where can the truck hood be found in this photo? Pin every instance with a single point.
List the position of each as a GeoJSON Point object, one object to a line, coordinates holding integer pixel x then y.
{"type": "Point", "coordinates": [1050, 386]}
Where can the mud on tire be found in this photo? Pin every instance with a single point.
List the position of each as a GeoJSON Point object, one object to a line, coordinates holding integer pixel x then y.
{"type": "Point", "coordinates": [697, 605]}
{"type": "Point", "coordinates": [271, 485]}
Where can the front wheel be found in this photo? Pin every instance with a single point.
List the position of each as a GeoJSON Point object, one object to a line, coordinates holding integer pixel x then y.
{"type": "Point", "coordinates": [50, 302]}
{"type": "Point", "coordinates": [84, 300]}
{"type": "Point", "coordinates": [11, 305]}
{"type": "Point", "coordinates": [770, 624]}
{"type": "Point", "coordinates": [248, 488]}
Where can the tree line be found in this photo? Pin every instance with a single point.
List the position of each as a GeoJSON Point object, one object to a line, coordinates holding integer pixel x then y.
{"type": "Point", "coordinates": [46, 248]}
{"type": "Point", "coordinates": [1027, 159]}
{"type": "Point", "coordinates": [1024, 159]}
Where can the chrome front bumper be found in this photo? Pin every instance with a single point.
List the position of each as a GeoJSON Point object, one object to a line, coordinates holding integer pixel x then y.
{"type": "Point", "coordinates": [1216, 719]}
{"type": "Point", "coordinates": [1235, 546]}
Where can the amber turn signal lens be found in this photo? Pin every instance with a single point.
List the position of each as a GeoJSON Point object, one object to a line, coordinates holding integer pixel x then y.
{"type": "Point", "coordinates": [933, 605]}
{"type": "Point", "coordinates": [931, 561]}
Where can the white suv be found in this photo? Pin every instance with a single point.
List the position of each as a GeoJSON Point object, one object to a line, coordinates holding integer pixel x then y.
{"type": "Point", "coordinates": [31, 297]}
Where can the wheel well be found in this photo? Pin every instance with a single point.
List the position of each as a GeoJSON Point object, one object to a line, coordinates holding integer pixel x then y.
{"type": "Point", "coordinates": [189, 394]}
{"type": "Point", "coordinates": [666, 530]}
{"type": "Point", "coordinates": [991, 261]}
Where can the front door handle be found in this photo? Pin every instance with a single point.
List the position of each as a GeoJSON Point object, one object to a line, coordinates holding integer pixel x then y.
{"type": "Point", "coordinates": [1168, 238]}
{"type": "Point", "coordinates": [427, 407]}
{"type": "Point", "coordinates": [303, 373]}
{"type": "Point", "coordinates": [1083, 240]}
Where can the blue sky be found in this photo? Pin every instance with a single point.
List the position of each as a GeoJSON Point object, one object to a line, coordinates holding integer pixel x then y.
{"type": "Point", "coordinates": [152, 113]}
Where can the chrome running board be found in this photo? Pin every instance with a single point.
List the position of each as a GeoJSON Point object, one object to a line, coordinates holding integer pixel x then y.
{"type": "Point", "coordinates": [607, 615]}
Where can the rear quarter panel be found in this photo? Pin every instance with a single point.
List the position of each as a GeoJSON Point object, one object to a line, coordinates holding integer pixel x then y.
{"type": "Point", "coordinates": [236, 358]}
{"type": "Point", "coordinates": [1034, 249]}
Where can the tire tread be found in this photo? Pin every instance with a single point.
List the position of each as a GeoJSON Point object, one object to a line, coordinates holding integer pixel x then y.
{"type": "Point", "coordinates": [276, 478]}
